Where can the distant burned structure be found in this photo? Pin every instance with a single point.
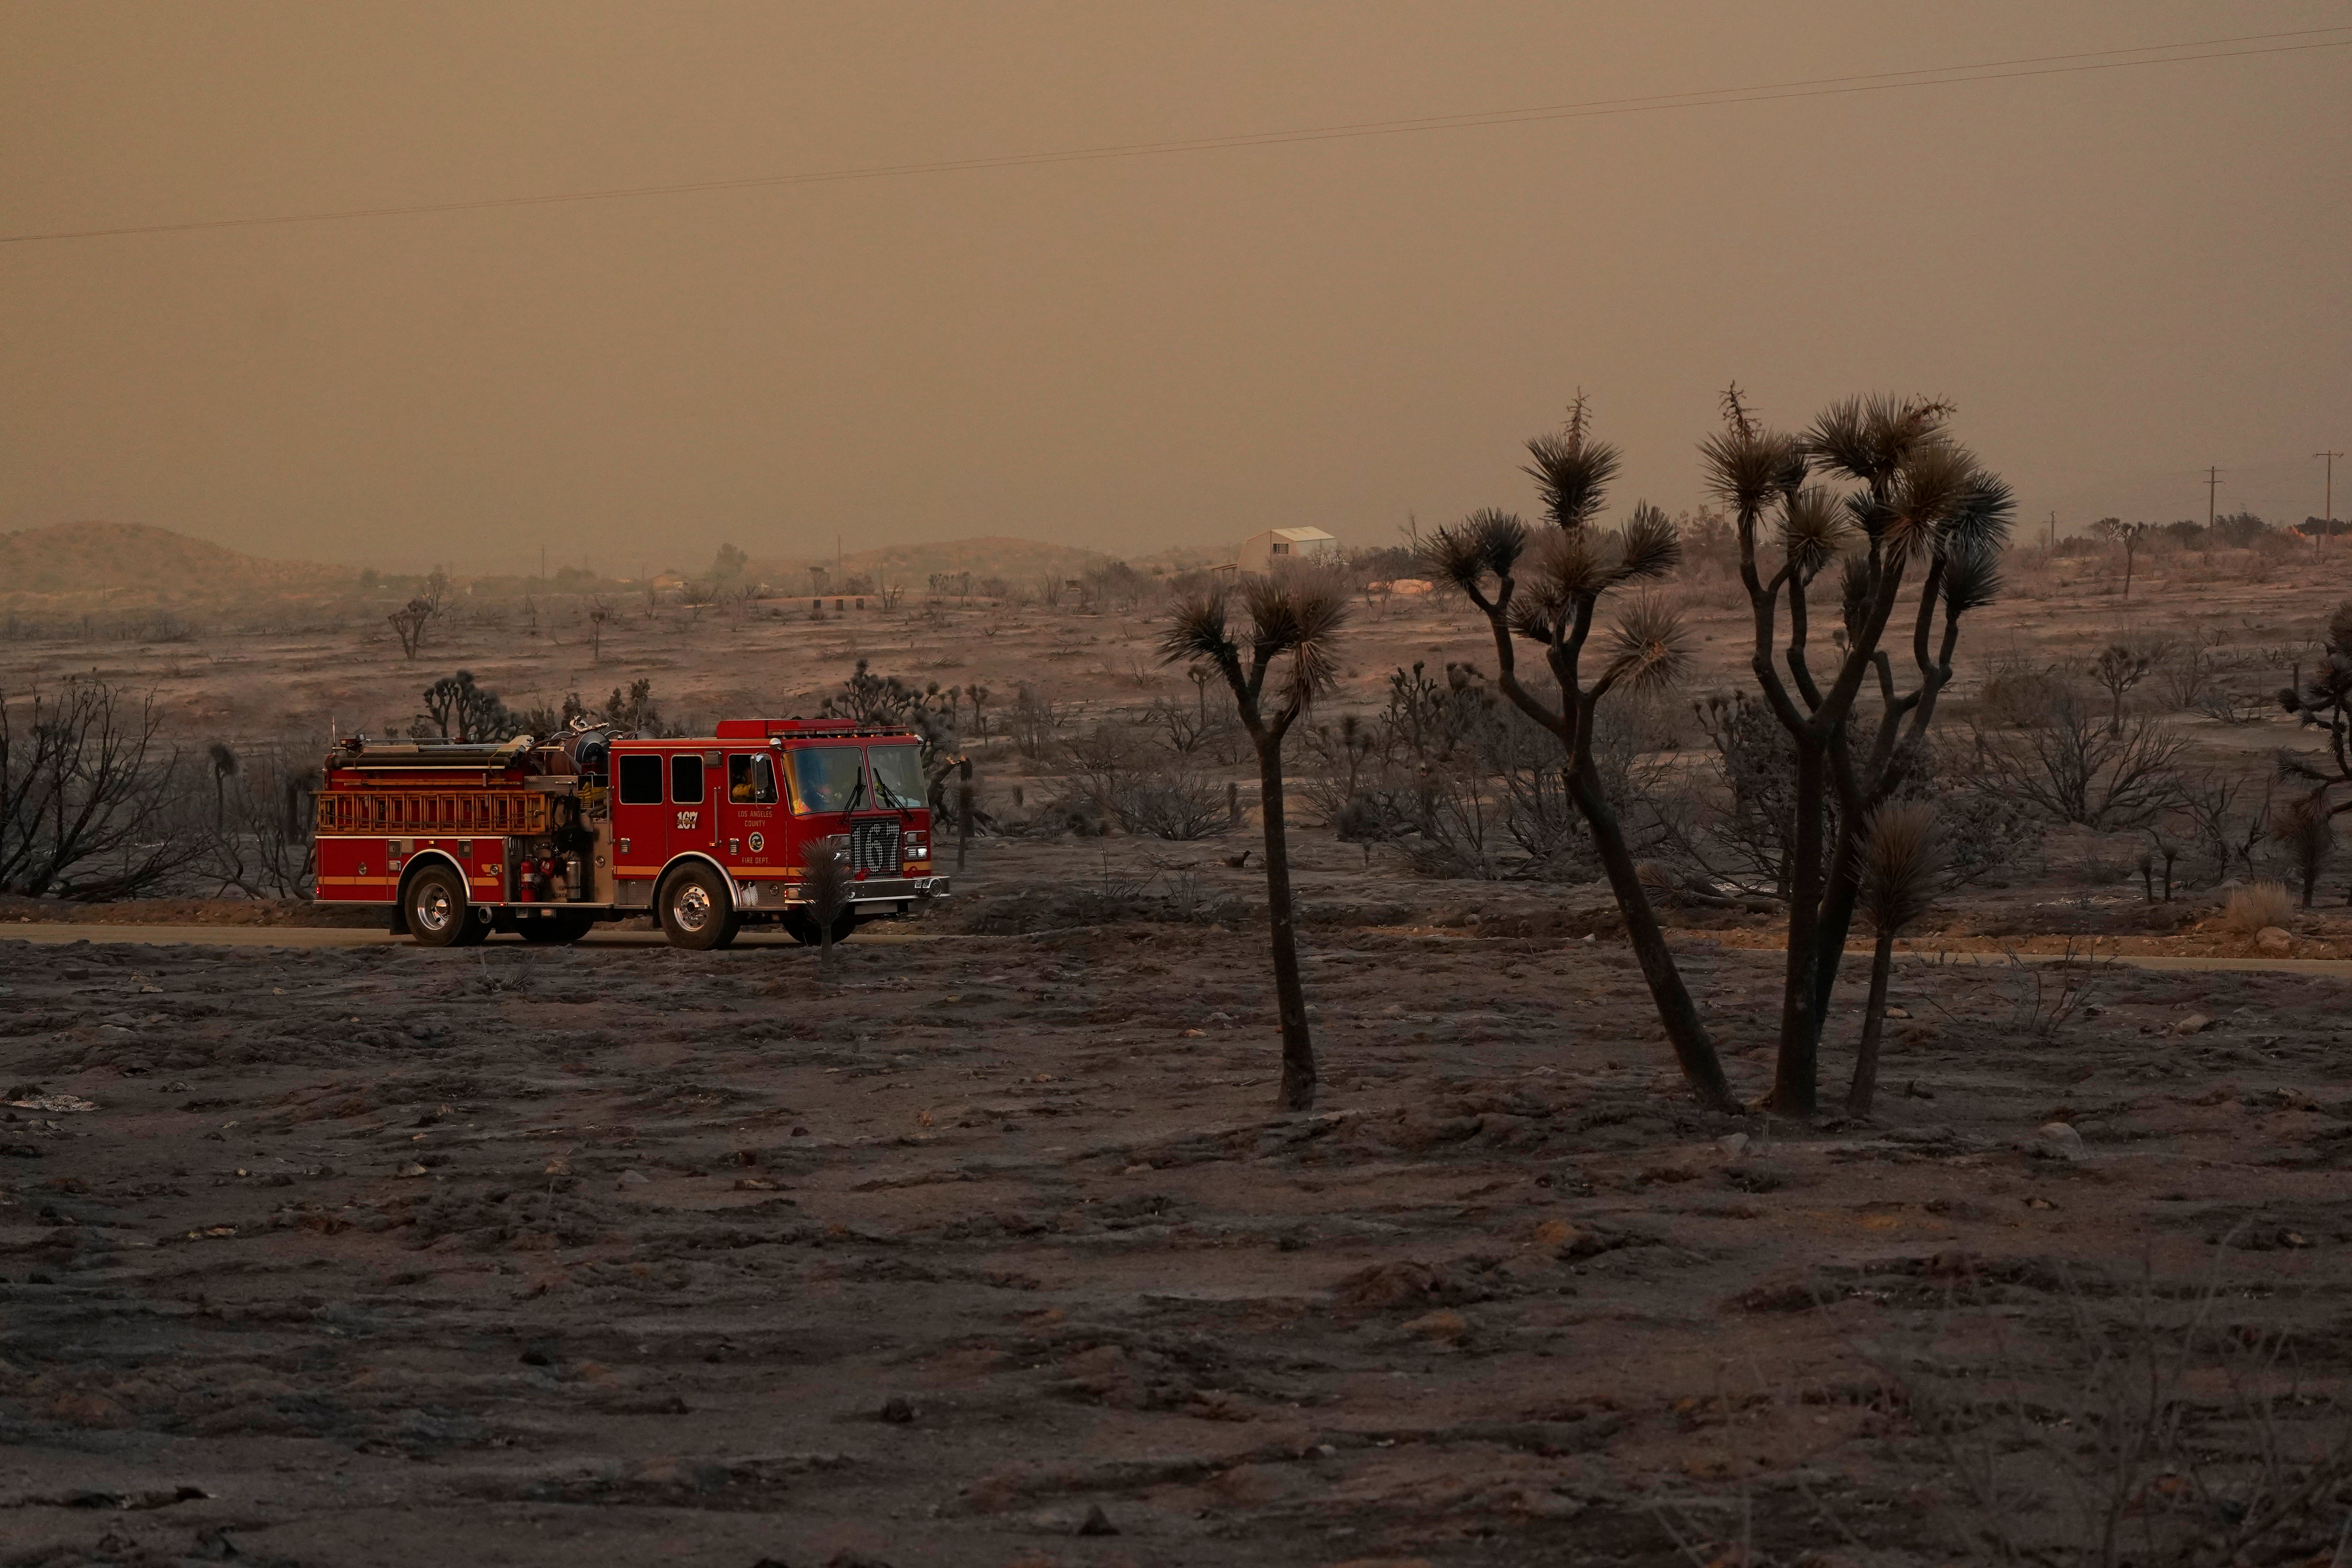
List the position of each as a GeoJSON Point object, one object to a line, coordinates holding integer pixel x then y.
{"type": "Point", "coordinates": [1261, 554]}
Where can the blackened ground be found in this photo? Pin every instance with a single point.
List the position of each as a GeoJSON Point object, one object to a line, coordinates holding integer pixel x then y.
{"type": "Point", "coordinates": [993, 1251]}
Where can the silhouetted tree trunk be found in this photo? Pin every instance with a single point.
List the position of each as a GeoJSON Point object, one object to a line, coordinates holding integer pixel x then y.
{"type": "Point", "coordinates": [1923, 502]}
{"type": "Point", "coordinates": [1874, 1026]}
{"type": "Point", "coordinates": [1290, 995]}
{"type": "Point", "coordinates": [1544, 587]}
{"type": "Point", "coordinates": [1290, 620]}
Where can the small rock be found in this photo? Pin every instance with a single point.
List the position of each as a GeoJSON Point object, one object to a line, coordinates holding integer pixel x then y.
{"type": "Point", "coordinates": [412, 1171]}
{"type": "Point", "coordinates": [897, 1411]}
{"type": "Point", "coordinates": [2274, 939]}
{"type": "Point", "coordinates": [32, 1099]}
{"type": "Point", "coordinates": [1896, 1013]}
{"type": "Point", "coordinates": [1553, 1233]}
{"type": "Point", "coordinates": [632, 1179]}
{"type": "Point", "coordinates": [1736, 1145]}
{"type": "Point", "coordinates": [1097, 1522]}
{"type": "Point", "coordinates": [1443, 1324]}
{"type": "Point", "coordinates": [2056, 1141]}
{"type": "Point", "coordinates": [2195, 1024]}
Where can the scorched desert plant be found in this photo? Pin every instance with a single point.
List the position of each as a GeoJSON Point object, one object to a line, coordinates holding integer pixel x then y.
{"type": "Point", "coordinates": [1288, 636]}
{"type": "Point", "coordinates": [1902, 862]}
{"type": "Point", "coordinates": [1545, 585]}
{"type": "Point", "coordinates": [1914, 543]}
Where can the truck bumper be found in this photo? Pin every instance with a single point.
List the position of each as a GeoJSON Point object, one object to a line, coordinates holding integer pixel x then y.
{"type": "Point", "coordinates": [898, 889]}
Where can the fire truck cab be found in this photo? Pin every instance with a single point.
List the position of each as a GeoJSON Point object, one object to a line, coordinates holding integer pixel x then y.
{"type": "Point", "coordinates": [549, 838]}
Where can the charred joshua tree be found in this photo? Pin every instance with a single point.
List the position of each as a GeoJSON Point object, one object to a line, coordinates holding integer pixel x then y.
{"type": "Point", "coordinates": [2325, 702]}
{"type": "Point", "coordinates": [826, 887]}
{"type": "Point", "coordinates": [408, 623]}
{"type": "Point", "coordinates": [2118, 669]}
{"type": "Point", "coordinates": [1544, 587]}
{"type": "Point", "coordinates": [1902, 864]}
{"type": "Point", "coordinates": [1297, 622]}
{"type": "Point", "coordinates": [1918, 539]}
{"type": "Point", "coordinates": [224, 760]}
{"type": "Point", "coordinates": [2307, 830]}
{"type": "Point", "coordinates": [457, 707]}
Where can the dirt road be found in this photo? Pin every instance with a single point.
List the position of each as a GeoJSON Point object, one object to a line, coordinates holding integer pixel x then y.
{"type": "Point", "coordinates": [312, 937]}
{"type": "Point", "coordinates": [309, 937]}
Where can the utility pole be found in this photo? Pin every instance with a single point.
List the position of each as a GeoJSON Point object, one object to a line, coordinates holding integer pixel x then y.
{"type": "Point", "coordinates": [2212, 483]}
{"type": "Point", "coordinates": [2050, 537]}
{"type": "Point", "coordinates": [2327, 523]}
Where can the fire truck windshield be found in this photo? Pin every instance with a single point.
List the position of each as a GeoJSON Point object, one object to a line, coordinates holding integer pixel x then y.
{"type": "Point", "coordinates": [898, 775]}
{"type": "Point", "coordinates": [828, 778]}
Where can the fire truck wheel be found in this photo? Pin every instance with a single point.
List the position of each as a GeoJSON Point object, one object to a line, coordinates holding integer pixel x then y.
{"type": "Point", "coordinates": [696, 912]}
{"type": "Point", "coordinates": [436, 908]}
{"type": "Point", "coordinates": [555, 928]}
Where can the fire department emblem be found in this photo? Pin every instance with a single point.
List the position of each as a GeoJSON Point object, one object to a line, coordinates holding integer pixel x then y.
{"type": "Point", "coordinates": [759, 842]}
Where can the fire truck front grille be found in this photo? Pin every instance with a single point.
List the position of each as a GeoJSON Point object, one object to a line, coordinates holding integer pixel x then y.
{"type": "Point", "coordinates": [874, 847]}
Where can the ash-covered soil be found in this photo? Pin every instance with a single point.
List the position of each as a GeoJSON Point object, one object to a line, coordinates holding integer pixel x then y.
{"type": "Point", "coordinates": [992, 1251]}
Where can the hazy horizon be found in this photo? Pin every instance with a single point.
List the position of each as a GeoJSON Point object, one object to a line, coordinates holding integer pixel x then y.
{"type": "Point", "coordinates": [2119, 276]}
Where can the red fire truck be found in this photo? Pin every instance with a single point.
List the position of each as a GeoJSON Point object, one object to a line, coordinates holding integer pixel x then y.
{"type": "Point", "coordinates": [548, 837]}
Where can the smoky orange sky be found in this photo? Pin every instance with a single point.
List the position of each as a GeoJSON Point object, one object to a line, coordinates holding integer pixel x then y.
{"type": "Point", "coordinates": [2119, 276]}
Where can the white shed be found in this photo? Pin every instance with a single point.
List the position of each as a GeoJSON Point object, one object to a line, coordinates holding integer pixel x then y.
{"type": "Point", "coordinates": [1260, 554]}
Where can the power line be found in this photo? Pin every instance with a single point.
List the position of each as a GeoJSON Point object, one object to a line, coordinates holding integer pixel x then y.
{"type": "Point", "coordinates": [1770, 92]}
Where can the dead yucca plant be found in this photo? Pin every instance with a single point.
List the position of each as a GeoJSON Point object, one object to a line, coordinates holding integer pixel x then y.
{"type": "Point", "coordinates": [2250, 908]}
{"type": "Point", "coordinates": [826, 887]}
{"type": "Point", "coordinates": [1902, 862]}
{"type": "Point", "coordinates": [1278, 657]}
{"type": "Point", "coordinates": [1916, 544]}
{"type": "Point", "coordinates": [1546, 586]}
{"type": "Point", "coordinates": [2307, 828]}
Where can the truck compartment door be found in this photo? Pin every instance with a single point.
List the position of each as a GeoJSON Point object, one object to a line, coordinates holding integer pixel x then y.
{"type": "Point", "coordinates": [693, 822]}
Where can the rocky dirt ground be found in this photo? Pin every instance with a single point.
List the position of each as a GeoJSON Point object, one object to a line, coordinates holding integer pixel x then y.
{"type": "Point", "coordinates": [992, 1251]}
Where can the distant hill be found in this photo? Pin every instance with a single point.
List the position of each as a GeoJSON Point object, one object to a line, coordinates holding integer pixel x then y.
{"type": "Point", "coordinates": [1017, 561]}
{"type": "Point", "coordinates": [133, 560]}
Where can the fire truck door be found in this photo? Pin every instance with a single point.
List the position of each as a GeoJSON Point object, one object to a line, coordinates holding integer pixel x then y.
{"type": "Point", "coordinates": [640, 814]}
{"type": "Point", "coordinates": [693, 817]}
{"type": "Point", "coordinates": [749, 822]}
